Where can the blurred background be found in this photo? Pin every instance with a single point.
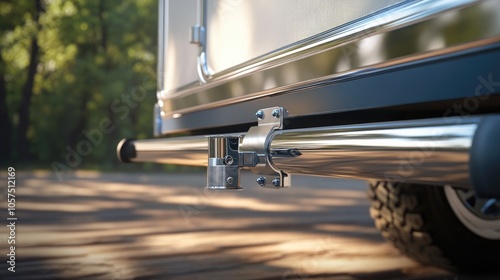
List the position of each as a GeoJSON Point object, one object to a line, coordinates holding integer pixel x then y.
{"type": "Point", "coordinates": [76, 76]}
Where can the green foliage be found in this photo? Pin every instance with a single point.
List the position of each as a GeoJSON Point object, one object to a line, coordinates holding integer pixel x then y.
{"type": "Point", "coordinates": [94, 56]}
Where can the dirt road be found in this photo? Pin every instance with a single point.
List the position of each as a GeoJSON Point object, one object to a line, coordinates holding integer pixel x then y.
{"type": "Point", "coordinates": [144, 226]}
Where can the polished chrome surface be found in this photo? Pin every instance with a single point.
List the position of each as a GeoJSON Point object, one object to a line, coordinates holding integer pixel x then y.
{"type": "Point", "coordinates": [430, 151]}
{"type": "Point", "coordinates": [181, 150]}
{"type": "Point", "coordinates": [257, 139]}
{"type": "Point", "coordinates": [414, 31]}
{"type": "Point", "coordinates": [223, 172]}
{"type": "Point", "coordinates": [468, 209]}
{"type": "Point", "coordinates": [197, 35]}
{"type": "Point", "coordinates": [157, 120]}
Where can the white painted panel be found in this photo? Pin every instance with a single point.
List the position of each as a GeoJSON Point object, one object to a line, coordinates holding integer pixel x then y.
{"type": "Point", "coordinates": [180, 57]}
{"type": "Point", "coordinates": [239, 30]}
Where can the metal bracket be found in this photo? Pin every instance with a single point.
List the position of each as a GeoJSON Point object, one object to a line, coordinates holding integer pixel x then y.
{"type": "Point", "coordinates": [157, 119]}
{"type": "Point", "coordinates": [257, 141]}
{"type": "Point", "coordinates": [197, 35]}
{"type": "Point", "coordinates": [223, 171]}
{"type": "Point", "coordinates": [226, 159]}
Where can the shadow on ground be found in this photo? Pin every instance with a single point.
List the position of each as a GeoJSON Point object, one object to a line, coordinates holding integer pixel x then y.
{"type": "Point", "coordinates": [147, 226]}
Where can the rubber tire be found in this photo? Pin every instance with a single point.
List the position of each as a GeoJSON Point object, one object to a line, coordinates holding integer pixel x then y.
{"type": "Point", "coordinates": [419, 222]}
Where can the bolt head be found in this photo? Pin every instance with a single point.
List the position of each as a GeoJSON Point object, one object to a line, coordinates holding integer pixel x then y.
{"type": "Point", "coordinates": [276, 113]}
{"type": "Point", "coordinates": [228, 160]}
{"type": "Point", "coordinates": [229, 180]}
{"type": "Point", "coordinates": [259, 114]}
{"type": "Point", "coordinates": [261, 181]}
{"type": "Point", "coordinates": [276, 182]}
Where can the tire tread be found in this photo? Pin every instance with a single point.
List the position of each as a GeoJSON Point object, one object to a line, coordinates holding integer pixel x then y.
{"type": "Point", "coordinates": [397, 213]}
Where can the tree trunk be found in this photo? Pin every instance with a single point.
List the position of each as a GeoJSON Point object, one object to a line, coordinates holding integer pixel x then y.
{"type": "Point", "coordinates": [104, 31]}
{"type": "Point", "coordinates": [5, 123]}
{"type": "Point", "coordinates": [76, 132]}
{"type": "Point", "coordinates": [27, 93]}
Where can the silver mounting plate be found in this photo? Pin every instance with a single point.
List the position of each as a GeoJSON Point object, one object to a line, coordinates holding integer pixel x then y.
{"type": "Point", "coordinates": [226, 158]}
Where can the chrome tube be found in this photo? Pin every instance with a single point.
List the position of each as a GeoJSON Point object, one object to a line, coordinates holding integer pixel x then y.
{"type": "Point", "coordinates": [430, 151]}
{"type": "Point", "coordinates": [190, 150]}
{"type": "Point", "coordinates": [461, 152]}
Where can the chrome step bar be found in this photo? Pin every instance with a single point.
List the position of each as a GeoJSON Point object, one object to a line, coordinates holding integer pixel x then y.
{"type": "Point", "coordinates": [458, 151]}
{"type": "Point", "coordinates": [190, 151]}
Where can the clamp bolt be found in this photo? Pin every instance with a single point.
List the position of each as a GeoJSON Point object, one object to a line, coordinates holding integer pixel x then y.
{"type": "Point", "coordinates": [276, 182]}
{"type": "Point", "coordinates": [228, 160]}
{"type": "Point", "coordinates": [230, 180]}
{"type": "Point", "coordinates": [261, 181]}
{"type": "Point", "coordinates": [276, 113]}
{"type": "Point", "coordinates": [259, 115]}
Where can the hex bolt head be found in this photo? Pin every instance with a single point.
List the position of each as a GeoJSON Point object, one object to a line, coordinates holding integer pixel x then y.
{"type": "Point", "coordinates": [261, 181]}
{"type": "Point", "coordinates": [259, 115]}
{"type": "Point", "coordinates": [228, 160]}
{"type": "Point", "coordinates": [230, 180]}
{"type": "Point", "coordinates": [276, 182]}
{"type": "Point", "coordinates": [276, 113]}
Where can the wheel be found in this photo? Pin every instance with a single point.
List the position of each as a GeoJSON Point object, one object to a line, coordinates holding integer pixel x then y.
{"type": "Point", "coordinates": [439, 226]}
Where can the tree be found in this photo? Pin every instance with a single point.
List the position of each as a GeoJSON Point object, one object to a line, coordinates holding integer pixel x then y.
{"type": "Point", "coordinates": [27, 93]}
{"type": "Point", "coordinates": [5, 122]}
{"type": "Point", "coordinates": [12, 19]}
{"type": "Point", "coordinates": [65, 64]}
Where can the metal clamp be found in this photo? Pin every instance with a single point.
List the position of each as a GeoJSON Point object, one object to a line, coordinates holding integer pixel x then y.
{"type": "Point", "coordinates": [223, 171]}
{"type": "Point", "coordinates": [252, 153]}
{"type": "Point", "coordinates": [197, 35]}
{"type": "Point", "coordinates": [257, 140]}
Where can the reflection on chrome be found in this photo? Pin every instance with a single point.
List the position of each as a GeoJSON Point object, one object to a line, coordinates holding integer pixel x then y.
{"type": "Point", "coordinates": [183, 151]}
{"type": "Point", "coordinates": [431, 153]}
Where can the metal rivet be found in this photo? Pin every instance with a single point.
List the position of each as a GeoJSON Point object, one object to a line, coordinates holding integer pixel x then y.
{"type": "Point", "coordinates": [276, 113]}
{"type": "Point", "coordinates": [230, 180]}
{"type": "Point", "coordinates": [228, 160]}
{"type": "Point", "coordinates": [276, 182]}
{"type": "Point", "coordinates": [261, 181]}
{"type": "Point", "coordinates": [259, 115]}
